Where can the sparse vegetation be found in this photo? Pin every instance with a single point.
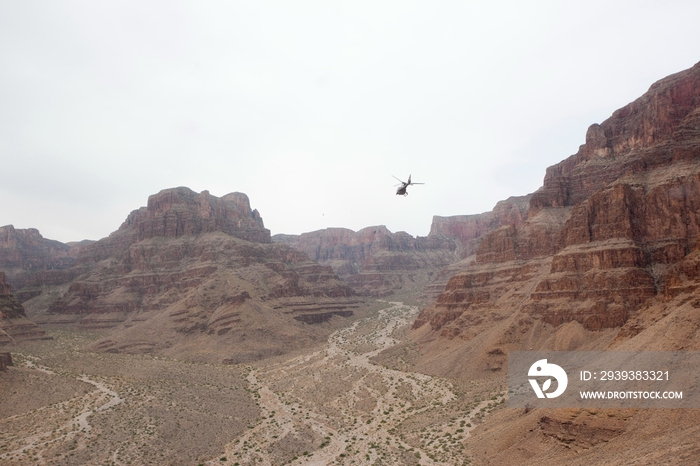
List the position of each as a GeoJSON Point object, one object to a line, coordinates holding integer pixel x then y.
{"type": "Point", "coordinates": [336, 405]}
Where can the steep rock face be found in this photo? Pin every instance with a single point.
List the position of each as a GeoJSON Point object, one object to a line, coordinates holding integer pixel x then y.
{"type": "Point", "coordinates": [14, 325]}
{"type": "Point", "coordinates": [377, 262]}
{"type": "Point", "coordinates": [356, 247]}
{"type": "Point", "coordinates": [10, 308]}
{"type": "Point", "coordinates": [665, 118]}
{"type": "Point", "coordinates": [199, 272]}
{"type": "Point", "coordinates": [30, 261]}
{"type": "Point", "coordinates": [607, 258]}
{"type": "Point", "coordinates": [599, 236]}
{"type": "Point", "coordinates": [374, 261]}
{"type": "Point", "coordinates": [469, 230]}
{"type": "Point", "coordinates": [178, 212]}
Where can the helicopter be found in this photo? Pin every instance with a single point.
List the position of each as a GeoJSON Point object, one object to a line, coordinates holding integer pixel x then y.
{"type": "Point", "coordinates": [402, 189]}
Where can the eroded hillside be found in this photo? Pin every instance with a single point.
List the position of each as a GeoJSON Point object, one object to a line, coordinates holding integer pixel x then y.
{"type": "Point", "coordinates": [189, 275]}
{"type": "Point", "coordinates": [606, 259]}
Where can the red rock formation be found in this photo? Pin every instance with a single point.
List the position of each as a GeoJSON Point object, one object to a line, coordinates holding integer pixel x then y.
{"type": "Point", "coordinates": [177, 212]}
{"type": "Point", "coordinates": [194, 267]}
{"type": "Point", "coordinates": [601, 232]}
{"type": "Point", "coordinates": [607, 258]}
{"type": "Point", "coordinates": [377, 262]}
{"type": "Point", "coordinates": [178, 242]}
{"type": "Point", "coordinates": [14, 325]}
{"type": "Point", "coordinates": [30, 261]}
{"type": "Point", "coordinates": [468, 230]}
{"type": "Point", "coordinates": [180, 211]}
{"type": "Point", "coordinates": [374, 261]}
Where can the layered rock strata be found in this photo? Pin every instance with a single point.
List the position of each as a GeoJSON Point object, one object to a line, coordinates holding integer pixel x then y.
{"type": "Point", "coordinates": [31, 261]}
{"type": "Point", "coordinates": [376, 262]}
{"type": "Point", "coordinates": [15, 327]}
{"type": "Point", "coordinates": [469, 230]}
{"type": "Point", "coordinates": [601, 237]}
{"type": "Point", "coordinates": [192, 268]}
{"type": "Point", "coordinates": [607, 258]}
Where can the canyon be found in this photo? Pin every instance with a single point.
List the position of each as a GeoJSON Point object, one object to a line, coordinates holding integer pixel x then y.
{"type": "Point", "coordinates": [189, 275]}
{"type": "Point", "coordinates": [604, 256]}
{"type": "Point", "coordinates": [604, 259]}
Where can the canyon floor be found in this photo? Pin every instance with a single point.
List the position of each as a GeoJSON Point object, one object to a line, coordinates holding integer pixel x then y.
{"type": "Point", "coordinates": [354, 400]}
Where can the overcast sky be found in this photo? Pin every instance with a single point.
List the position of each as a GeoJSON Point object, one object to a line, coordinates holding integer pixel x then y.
{"type": "Point", "coordinates": [310, 107]}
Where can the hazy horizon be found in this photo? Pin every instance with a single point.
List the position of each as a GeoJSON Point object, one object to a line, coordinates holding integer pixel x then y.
{"type": "Point", "coordinates": [310, 108]}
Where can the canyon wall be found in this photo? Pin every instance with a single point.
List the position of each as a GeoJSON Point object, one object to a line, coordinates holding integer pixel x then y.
{"type": "Point", "coordinates": [607, 257]}
{"type": "Point", "coordinates": [376, 262]}
{"type": "Point", "coordinates": [30, 261]}
{"type": "Point", "coordinates": [15, 327]}
{"type": "Point", "coordinates": [194, 276]}
{"type": "Point", "coordinates": [601, 233]}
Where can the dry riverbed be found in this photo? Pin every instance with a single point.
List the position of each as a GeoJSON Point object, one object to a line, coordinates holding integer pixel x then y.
{"type": "Point", "coordinates": [65, 406]}
{"type": "Point", "coordinates": [336, 405]}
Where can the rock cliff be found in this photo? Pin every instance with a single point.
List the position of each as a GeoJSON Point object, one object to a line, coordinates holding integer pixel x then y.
{"type": "Point", "coordinates": [603, 229]}
{"type": "Point", "coordinates": [177, 212]}
{"type": "Point", "coordinates": [15, 327]}
{"type": "Point", "coordinates": [31, 261]}
{"type": "Point", "coordinates": [469, 230]}
{"type": "Point", "coordinates": [374, 261]}
{"type": "Point", "coordinates": [180, 211]}
{"type": "Point", "coordinates": [197, 276]}
{"type": "Point", "coordinates": [605, 258]}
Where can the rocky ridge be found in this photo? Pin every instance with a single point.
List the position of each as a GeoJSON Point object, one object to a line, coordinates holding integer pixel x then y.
{"type": "Point", "coordinates": [196, 276]}
{"type": "Point", "coordinates": [606, 258]}
{"type": "Point", "coordinates": [15, 327]}
{"type": "Point", "coordinates": [603, 230]}
{"type": "Point", "coordinates": [31, 261]}
{"type": "Point", "coordinates": [376, 262]}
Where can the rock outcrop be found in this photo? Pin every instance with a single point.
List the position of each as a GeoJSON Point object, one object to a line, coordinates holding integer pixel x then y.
{"type": "Point", "coordinates": [177, 212]}
{"type": "Point", "coordinates": [15, 327]}
{"type": "Point", "coordinates": [374, 261]}
{"type": "Point", "coordinates": [469, 230]}
{"type": "Point", "coordinates": [31, 261]}
{"type": "Point", "coordinates": [601, 232]}
{"type": "Point", "coordinates": [180, 211]}
{"type": "Point", "coordinates": [606, 258]}
{"type": "Point", "coordinates": [192, 268]}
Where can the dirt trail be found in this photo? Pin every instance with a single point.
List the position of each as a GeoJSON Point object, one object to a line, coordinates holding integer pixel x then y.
{"type": "Point", "coordinates": [335, 406]}
{"type": "Point", "coordinates": [64, 406]}
{"type": "Point", "coordinates": [75, 412]}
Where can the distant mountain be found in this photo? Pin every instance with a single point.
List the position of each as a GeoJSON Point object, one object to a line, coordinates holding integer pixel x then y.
{"type": "Point", "coordinates": [31, 261]}
{"type": "Point", "coordinates": [194, 276]}
{"type": "Point", "coordinates": [376, 262]}
{"type": "Point", "coordinates": [14, 325]}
